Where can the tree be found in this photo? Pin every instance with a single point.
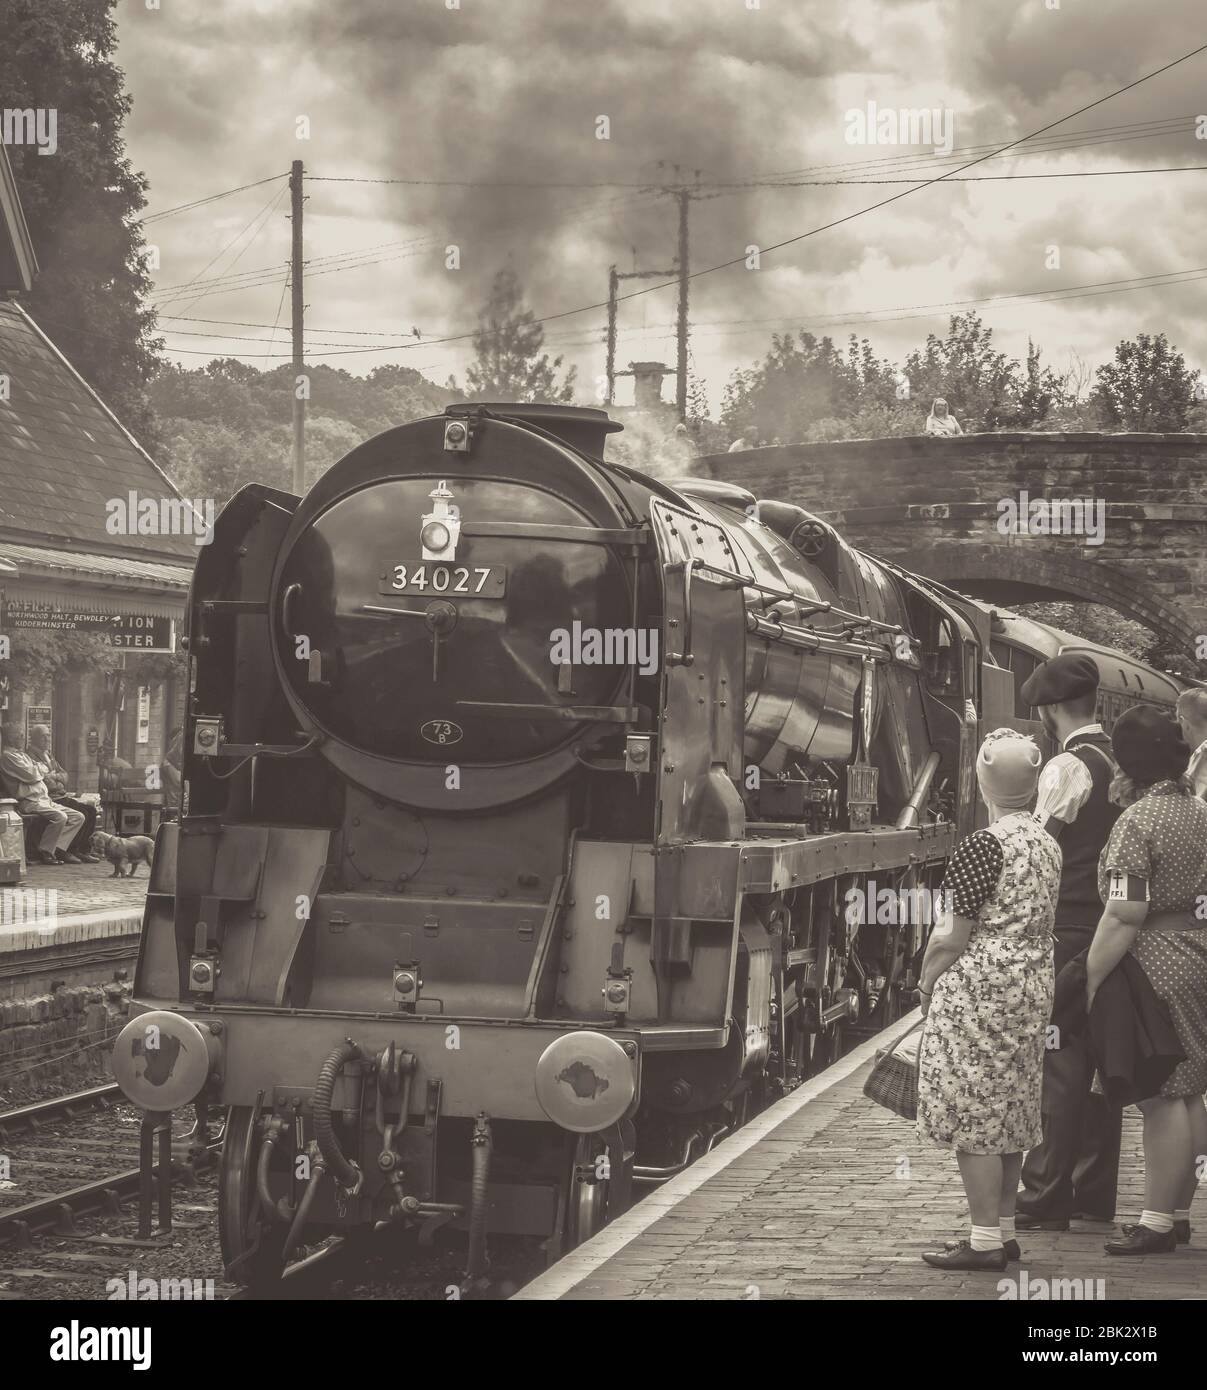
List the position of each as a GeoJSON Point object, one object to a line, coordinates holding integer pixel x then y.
{"type": "Point", "coordinates": [509, 364]}
{"type": "Point", "coordinates": [802, 381]}
{"type": "Point", "coordinates": [81, 201]}
{"type": "Point", "coordinates": [1147, 387]}
{"type": "Point", "coordinates": [982, 386]}
{"type": "Point", "coordinates": [228, 424]}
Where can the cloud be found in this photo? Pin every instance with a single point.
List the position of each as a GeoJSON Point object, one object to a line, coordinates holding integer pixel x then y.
{"type": "Point", "coordinates": [473, 106]}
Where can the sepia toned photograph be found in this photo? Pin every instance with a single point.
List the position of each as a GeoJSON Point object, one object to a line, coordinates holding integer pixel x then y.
{"type": "Point", "coordinates": [603, 666]}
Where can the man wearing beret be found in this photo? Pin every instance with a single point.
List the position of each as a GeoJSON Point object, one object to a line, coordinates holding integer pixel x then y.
{"type": "Point", "coordinates": [1075, 1171]}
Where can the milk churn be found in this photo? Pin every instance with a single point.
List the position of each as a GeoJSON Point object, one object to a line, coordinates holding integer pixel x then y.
{"type": "Point", "coordinates": [12, 842]}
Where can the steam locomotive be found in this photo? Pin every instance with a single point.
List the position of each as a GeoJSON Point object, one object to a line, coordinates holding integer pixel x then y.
{"type": "Point", "coordinates": [531, 805]}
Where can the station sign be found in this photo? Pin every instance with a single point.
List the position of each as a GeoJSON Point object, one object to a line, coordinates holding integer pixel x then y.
{"type": "Point", "coordinates": [131, 631]}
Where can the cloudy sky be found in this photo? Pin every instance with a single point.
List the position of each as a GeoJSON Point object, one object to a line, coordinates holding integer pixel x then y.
{"type": "Point", "coordinates": [477, 126]}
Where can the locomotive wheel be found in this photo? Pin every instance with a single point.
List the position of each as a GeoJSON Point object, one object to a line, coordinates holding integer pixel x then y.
{"type": "Point", "coordinates": [587, 1201]}
{"type": "Point", "coordinates": [826, 1048]}
{"type": "Point", "coordinates": [251, 1247]}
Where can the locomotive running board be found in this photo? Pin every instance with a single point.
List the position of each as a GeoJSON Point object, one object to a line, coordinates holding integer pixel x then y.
{"type": "Point", "coordinates": [715, 873]}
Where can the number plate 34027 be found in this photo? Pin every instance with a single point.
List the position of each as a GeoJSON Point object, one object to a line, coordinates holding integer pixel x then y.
{"type": "Point", "coordinates": [434, 577]}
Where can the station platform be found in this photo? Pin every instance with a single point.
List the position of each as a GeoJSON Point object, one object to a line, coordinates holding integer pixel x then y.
{"type": "Point", "coordinates": [827, 1195]}
{"type": "Point", "coordinates": [64, 904]}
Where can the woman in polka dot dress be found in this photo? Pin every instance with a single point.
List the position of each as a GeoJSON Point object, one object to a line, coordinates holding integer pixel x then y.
{"type": "Point", "coordinates": [1151, 875]}
{"type": "Point", "coordinates": [986, 986]}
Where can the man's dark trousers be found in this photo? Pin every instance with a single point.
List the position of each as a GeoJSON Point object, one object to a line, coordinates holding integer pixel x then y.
{"type": "Point", "coordinates": [1076, 1168]}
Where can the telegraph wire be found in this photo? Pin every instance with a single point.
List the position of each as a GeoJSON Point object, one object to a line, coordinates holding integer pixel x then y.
{"type": "Point", "coordinates": [201, 202]}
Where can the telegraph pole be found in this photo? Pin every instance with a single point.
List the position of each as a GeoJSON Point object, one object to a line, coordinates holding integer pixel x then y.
{"type": "Point", "coordinates": [613, 286]}
{"type": "Point", "coordinates": [295, 276]}
{"type": "Point", "coordinates": [684, 197]}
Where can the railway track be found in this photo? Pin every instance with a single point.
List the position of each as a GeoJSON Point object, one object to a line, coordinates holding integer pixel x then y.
{"type": "Point", "coordinates": [67, 1221]}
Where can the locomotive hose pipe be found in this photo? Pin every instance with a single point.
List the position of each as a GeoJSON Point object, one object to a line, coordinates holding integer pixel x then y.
{"type": "Point", "coordinates": [279, 1210]}
{"type": "Point", "coordinates": [345, 1172]}
{"type": "Point", "coordinates": [318, 1168]}
{"type": "Point", "coordinates": [481, 1144]}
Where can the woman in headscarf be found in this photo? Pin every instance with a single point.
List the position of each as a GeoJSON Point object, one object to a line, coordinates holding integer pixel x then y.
{"type": "Point", "coordinates": [941, 420]}
{"type": "Point", "coordinates": [1151, 875]}
{"type": "Point", "coordinates": [986, 986]}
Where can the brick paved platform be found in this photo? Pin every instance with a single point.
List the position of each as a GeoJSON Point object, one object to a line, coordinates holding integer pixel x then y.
{"type": "Point", "coordinates": [828, 1196]}
{"type": "Point", "coordinates": [89, 904]}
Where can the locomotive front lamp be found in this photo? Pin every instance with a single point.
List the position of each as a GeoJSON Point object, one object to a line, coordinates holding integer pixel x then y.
{"type": "Point", "coordinates": [440, 529]}
{"type": "Point", "coordinates": [435, 536]}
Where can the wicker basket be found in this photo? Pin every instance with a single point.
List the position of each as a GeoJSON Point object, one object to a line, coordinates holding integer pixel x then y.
{"type": "Point", "coordinates": [893, 1080]}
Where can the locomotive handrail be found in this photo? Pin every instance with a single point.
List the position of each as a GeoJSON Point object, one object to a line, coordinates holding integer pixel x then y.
{"type": "Point", "coordinates": [286, 598]}
{"type": "Point", "coordinates": [635, 538]}
{"type": "Point", "coordinates": [598, 714]}
{"type": "Point", "coordinates": [684, 656]}
{"type": "Point", "coordinates": [812, 640]}
{"type": "Point", "coordinates": [813, 605]}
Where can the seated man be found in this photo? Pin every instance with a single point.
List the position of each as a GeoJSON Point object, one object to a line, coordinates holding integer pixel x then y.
{"type": "Point", "coordinates": [33, 798]}
{"type": "Point", "coordinates": [56, 784]}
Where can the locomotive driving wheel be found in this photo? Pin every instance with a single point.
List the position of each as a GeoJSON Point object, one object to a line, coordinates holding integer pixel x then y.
{"type": "Point", "coordinates": [252, 1247]}
{"type": "Point", "coordinates": [587, 1202]}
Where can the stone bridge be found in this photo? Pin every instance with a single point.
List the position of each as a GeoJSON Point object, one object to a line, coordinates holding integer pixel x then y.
{"type": "Point", "coordinates": [946, 508]}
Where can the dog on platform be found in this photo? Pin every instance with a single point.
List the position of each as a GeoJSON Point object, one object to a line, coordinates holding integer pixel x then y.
{"type": "Point", "coordinates": [124, 849]}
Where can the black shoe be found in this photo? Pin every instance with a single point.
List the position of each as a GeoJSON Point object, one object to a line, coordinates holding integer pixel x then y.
{"type": "Point", "coordinates": [1181, 1231]}
{"type": "Point", "coordinates": [963, 1256]}
{"type": "Point", "coordinates": [1139, 1240]}
{"type": "Point", "coordinates": [67, 857]}
{"type": "Point", "coordinates": [1024, 1222]}
{"type": "Point", "coordinates": [1013, 1253]}
{"type": "Point", "coordinates": [43, 856]}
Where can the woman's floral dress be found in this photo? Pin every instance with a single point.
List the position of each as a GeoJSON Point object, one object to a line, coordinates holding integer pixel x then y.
{"type": "Point", "coordinates": [980, 1062]}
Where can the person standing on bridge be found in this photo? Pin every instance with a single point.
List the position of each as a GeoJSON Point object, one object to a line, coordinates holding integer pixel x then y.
{"type": "Point", "coordinates": [1192, 716]}
{"type": "Point", "coordinates": [1075, 1171]}
{"type": "Point", "coordinates": [941, 420]}
{"type": "Point", "coordinates": [986, 986]}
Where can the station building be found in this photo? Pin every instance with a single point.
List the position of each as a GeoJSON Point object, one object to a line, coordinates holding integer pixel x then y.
{"type": "Point", "coordinates": [92, 592]}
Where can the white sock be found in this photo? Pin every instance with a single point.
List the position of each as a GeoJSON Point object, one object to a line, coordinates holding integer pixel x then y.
{"type": "Point", "coordinates": [1007, 1225]}
{"type": "Point", "coordinates": [1182, 1214]}
{"type": "Point", "coordinates": [990, 1237]}
{"type": "Point", "coordinates": [1157, 1220]}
